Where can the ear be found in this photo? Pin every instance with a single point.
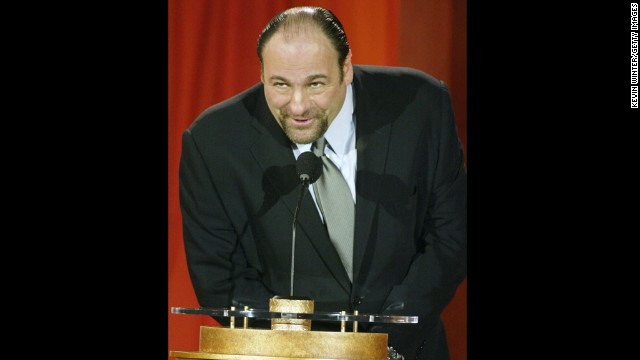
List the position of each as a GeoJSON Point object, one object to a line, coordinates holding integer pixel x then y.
{"type": "Point", "coordinates": [347, 69]}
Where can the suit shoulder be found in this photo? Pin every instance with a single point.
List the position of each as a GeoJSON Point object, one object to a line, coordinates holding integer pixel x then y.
{"type": "Point", "coordinates": [397, 76]}
{"type": "Point", "coordinates": [395, 86]}
{"type": "Point", "coordinates": [228, 114]}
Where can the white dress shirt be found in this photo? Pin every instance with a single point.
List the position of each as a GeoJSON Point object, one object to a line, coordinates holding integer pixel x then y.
{"type": "Point", "coordinates": [341, 144]}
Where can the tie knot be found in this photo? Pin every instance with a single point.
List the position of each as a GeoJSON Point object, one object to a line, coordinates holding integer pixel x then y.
{"type": "Point", "coordinates": [318, 146]}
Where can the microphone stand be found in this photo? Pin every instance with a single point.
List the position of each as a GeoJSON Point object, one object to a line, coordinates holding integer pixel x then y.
{"type": "Point", "coordinates": [305, 184]}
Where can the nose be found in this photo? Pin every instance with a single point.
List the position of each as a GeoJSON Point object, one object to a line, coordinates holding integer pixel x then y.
{"type": "Point", "coordinates": [299, 103]}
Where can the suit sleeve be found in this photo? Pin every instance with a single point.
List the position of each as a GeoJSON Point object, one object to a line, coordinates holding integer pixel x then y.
{"type": "Point", "coordinates": [215, 258]}
{"type": "Point", "coordinates": [435, 273]}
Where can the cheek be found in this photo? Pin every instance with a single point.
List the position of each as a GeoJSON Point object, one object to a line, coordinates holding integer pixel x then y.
{"type": "Point", "coordinates": [326, 100]}
{"type": "Point", "coordinates": [275, 99]}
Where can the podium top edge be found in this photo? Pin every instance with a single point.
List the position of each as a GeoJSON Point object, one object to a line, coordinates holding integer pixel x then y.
{"type": "Point", "coordinates": [320, 316]}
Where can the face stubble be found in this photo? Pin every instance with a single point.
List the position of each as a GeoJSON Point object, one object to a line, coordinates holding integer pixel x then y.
{"type": "Point", "coordinates": [316, 130]}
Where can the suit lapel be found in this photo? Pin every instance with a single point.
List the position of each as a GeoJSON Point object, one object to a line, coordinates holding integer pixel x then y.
{"type": "Point", "coordinates": [272, 150]}
{"type": "Point", "coordinates": [372, 141]}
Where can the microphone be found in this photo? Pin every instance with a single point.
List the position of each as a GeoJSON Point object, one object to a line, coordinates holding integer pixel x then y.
{"type": "Point", "coordinates": [309, 169]}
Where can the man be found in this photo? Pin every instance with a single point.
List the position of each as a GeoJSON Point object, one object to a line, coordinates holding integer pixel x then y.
{"type": "Point", "coordinates": [391, 133]}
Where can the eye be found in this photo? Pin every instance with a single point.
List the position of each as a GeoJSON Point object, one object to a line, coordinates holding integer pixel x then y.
{"type": "Point", "coordinates": [280, 85]}
{"type": "Point", "coordinates": [316, 85]}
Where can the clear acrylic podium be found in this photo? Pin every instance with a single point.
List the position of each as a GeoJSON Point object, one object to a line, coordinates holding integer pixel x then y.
{"type": "Point", "coordinates": [290, 336]}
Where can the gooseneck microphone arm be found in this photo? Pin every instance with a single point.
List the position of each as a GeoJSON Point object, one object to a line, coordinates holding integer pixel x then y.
{"type": "Point", "coordinates": [303, 189]}
{"type": "Point", "coordinates": [309, 169]}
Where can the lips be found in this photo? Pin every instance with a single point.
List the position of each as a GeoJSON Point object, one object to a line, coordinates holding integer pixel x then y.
{"type": "Point", "coordinates": [302, 122]}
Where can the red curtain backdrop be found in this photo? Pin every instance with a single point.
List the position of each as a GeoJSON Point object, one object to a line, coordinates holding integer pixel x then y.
{"type": "Point", "coordinates": [212, 56]}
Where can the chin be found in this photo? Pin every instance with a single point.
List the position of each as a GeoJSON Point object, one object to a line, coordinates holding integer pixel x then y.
{"type": "Point", "coordinates": [301, 140]}
{"type": "Point", "coordinates": [304, 138]}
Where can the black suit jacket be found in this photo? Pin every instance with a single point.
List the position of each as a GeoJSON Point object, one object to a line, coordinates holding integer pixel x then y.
{"type": "Point", "coordinates": [239, 188]}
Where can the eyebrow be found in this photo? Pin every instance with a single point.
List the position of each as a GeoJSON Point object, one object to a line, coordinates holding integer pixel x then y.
{"type": "Point", "coordinates": [309, 78]}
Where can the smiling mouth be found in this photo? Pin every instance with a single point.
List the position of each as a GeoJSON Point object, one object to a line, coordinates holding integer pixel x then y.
{"type": "Point", "coordinates": [302, 121]}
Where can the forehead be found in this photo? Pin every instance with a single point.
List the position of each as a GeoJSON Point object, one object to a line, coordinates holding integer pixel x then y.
{"type": "Point", "coordinates": [298, 46]}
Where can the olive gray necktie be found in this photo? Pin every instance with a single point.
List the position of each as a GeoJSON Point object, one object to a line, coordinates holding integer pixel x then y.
{"type": "Point", "coordinates": [336, 204]}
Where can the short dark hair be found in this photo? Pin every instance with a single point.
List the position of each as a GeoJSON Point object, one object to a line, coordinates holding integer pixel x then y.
{"type": "Point", "coordinates": [323, 18]}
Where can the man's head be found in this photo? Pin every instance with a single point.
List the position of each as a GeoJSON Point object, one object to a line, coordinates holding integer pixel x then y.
{"type": "Point", "coordinates": [305, 67]}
